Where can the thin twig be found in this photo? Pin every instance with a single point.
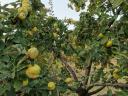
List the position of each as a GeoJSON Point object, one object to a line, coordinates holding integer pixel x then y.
{"type": "Point", "coordinates": [22, 60]}
{"type": "Point", "coordinates": [112, 22]}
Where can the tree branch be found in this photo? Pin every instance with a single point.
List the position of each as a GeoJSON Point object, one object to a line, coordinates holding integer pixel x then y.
{"type": "Point", "coordinates": [104, 85]}
{"type": "Point", "coordinates": [88, 70]}
{"type": "Point", "coordinates": [68, 67]}
{"type": "Point", "coordinates": [97, 90]}
{"type": "Point", "coordinates": [82, 91]}
{"type": "Point", "coordinates": [113, 85]}
{"type": "Point", "coordinates": [89, 87]}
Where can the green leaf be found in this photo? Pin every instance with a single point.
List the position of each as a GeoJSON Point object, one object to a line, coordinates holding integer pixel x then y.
{"type": "Point", "coordinates": [44, 93]}
{"type": "Point", "coordinates": [109, 92]}
{"type": "Point", "coordinates": [104, 40]}
{"type": "Point", "coordinates": [11, 91]}
{"type": "Point", "coordinates": [62, 88]}
{"type": "Point", "coordinates": [2, 45]}
{"type": "Point", "coordinates": [116, 3]}
{"type": "Point", "coordinates": [4, 88]}
{"type": "Point", "coordinates": [17, 85]}
{"type": "Point", "coordinates": [5, 74]}
{"type": "Point", "coordinates": [5, 58]}
{"type": "Point", "coordinates": [122, 93]}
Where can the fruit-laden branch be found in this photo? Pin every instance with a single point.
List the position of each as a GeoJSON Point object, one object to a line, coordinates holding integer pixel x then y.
{"type": "Point", "coordinates": [68, 67]}
{"type": "Point", "coordinates": [89, 67]}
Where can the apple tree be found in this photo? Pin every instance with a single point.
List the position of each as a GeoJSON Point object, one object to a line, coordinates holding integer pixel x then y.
{"type": "Point", "coordinates": [40, 56]}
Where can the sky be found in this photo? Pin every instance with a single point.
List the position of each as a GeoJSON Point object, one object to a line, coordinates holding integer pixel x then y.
{"type": "Point", "coordinates": [60, 8]}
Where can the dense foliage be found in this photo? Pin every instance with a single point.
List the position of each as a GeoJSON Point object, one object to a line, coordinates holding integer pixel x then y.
{"type": "Point", "coordinates": [40, 56]}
